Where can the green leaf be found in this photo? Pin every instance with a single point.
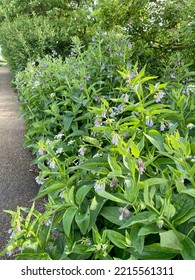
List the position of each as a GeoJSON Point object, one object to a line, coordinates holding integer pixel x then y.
{"type": "Point", "coordinates": [76, 133]}
{"type": "Point", "coordinates": [169, 240]}
{"type": "Point", "coordinates": [80, 248]}
{"type": "Point", "coordinates": [188, 249]}
{"type": "Point", "coordinates": [184, 215]}
{"type": "Point", "coordinates": [92, 141]}
{"type": "Point", "coordinates": [143, 217]}
{"type": "Point", "coordinates": [145, 79]}
{"type": "Point", "coordinates": [113, 165]}
{"type": "Point", "coordinates": [154, 252]}
{"type": "Point", "coordinates": [82, 219]}
{"type": "Point", "coordinates": [149, 229]}
{"type": "Point", "coordinates": [67, 121]}
{"type": "Point", "coordinates": [134, 149]}
{"type": "Point", "coordinates": [190, 192]}
{"type": "Point", "coordinates": [95, 208]}
{"type": "Point", "coordinates": [141, 144]}
{"type": "Point", "coordinates": [155, 181]}
{"type": "Point", "coordinates": [81, 193]}
{"type": "Point", "coordinates": [137, 240]}
{"type": "Point", "coordinates": [156, 139]}
{"type": "Point", "coordinates": [117, 238]}
{"type": "Point", "coordinates": [28, 218]}
{"type": "Point", "coordinates": [68, 219]}
{"type": "Point", "coordinates": [60, 88]}
{"type": "Point", "coordinates": [54, 187]}
{"type": "Point", "coordinates": [35, 256]}
{"type": "Point", "coordinates": [111, 213]}
{"type": "Point", "coordinates": [169, 210]}
{"type": "Point", "coordinates": [111, 197]}
{"type": "Point", "coordinates": [30, 246]}
{"type": "Point", "coordinates": [96, 164]}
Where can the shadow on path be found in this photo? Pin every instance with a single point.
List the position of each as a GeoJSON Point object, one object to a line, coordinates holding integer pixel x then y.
{"type": "Point", "coordinates": [17, 181]}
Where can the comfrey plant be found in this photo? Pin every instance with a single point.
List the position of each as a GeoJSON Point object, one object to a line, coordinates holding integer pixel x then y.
{"type": "Point", "coordinates": [116, 164]}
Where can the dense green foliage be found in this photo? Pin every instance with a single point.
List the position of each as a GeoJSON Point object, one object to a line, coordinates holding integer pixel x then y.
{"type": "Point", "coordinates": [36, 28]}
{"type": "Point", "coordinates": [116, 158]}
{"type": "Point", "coordinates": [26, 38]}
{"type": "Point", "coordinates": [111, 124]}
{"type": "Point", "coordinates": [156, 28]}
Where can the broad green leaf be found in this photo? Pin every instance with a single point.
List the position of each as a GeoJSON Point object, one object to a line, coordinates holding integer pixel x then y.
{"type": "Point", "coordinates": [96, 164]}
{"type": "Point", "coordinates": [154, 252]}
{"type": "Point", "coordinates": [33, 256]}
{"type": "Point", "coordinates": [149, 229]}
{"type": "Point", "coordinates": [44, 234]}
{"type": "Point", "coordinates": [143, 217]}
{"type": "Point", "coordinates": [60, 88]}
{"type": "Point", "coordinates": [111, 197]}
{"type": "Point", "coordinates": [112, 214]}
{"type": "Point", "coordinates": [137, 240]}
{"type": "Point", "coordinates": [82, 219]}
{"type": "Point", "coordinates": [134, 149]}
{"type": "Point", "coordinates": [92, 141]}
{"type": "Point", "coordinates": [169, 211]}
{"type": "Point", "coordinates": [184, 215]}
{"type": "Point", "coordinates": [30, 246]}
{"type": "Point", "coordinates": [113, 164]}
{"type": "Point", "coordinates": [67, 121]}
{"type": "Point", "coordinates": [76, 133]}
{"type": "Point", "coordinates": [156, 139]}
{"type": "Point", "coordinates": [81, 193]}
{"type": "Point", "coordinates": [70, 196]}
{"type": "Point", "coordinates": [141, 144]}
{"type": "Point", "coordinates": [52, 188]}
{"type": "Point", "coordinates": [155, 181]}
{"type": "Point", "coordinates": [170, 240]}
{"type": "Point", "coordinates": [188, 249]}
{"type": "Point", "coordinates": [80, 248]}
{"type": "Point", "coordinates": [68, 219]}
{"type": "Point", "coordinates": [54, 108]}
{"type": "Point", "coordinates": [190, 192]}
{"type": "Point", "coordinates": [95, 208]}
{"type": "Point", "coordinates": [117, 238]}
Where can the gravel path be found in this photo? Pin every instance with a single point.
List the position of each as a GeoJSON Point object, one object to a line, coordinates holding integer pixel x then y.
{"type": "Point", "coordinates": [17, 180]}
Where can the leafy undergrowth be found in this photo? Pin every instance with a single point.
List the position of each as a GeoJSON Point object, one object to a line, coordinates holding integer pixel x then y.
{"type": "Point", "coordinates": [116, 154]}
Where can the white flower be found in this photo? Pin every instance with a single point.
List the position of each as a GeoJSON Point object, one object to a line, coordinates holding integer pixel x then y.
{"type": "Point", "coordinates": [115, 138]}
{"type": "Point", "coordinates": [48, 223]}
{"type": "Point", "coordinates": [61, 195]}
{"type": "Point", "coordinates": [162, 127]}
{"type": "Point", "coordinates": [41, 152]}
{"type": "Point", "coordinates": [38, 180]}
{"type": "Point", "coordinates": [149, 121]}
{"type": "Point", "coordinates": [52, 95]}
{"type": "Point", "coordinates": [97, 123]}
{"type": "Point", "coordinates": [59, 136]}
{"type": "Point", "coordinates": [52, 164]}
{"type": "Point", "coordinates": [59, 150]}
{"type": "Point", "coordinates": [190, 125]}
{"type": "Point", "coordinates": [100, 185]}
{"type": "Point", "coordinates": [70, 142]}
{"type": "Point", "coordinates": [82, 151]}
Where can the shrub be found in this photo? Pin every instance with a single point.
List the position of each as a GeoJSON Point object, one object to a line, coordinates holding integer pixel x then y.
{"type": "Point", "coordinates": [27, 38]}
{"type": "Point", "coordinates": [115, 154]}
